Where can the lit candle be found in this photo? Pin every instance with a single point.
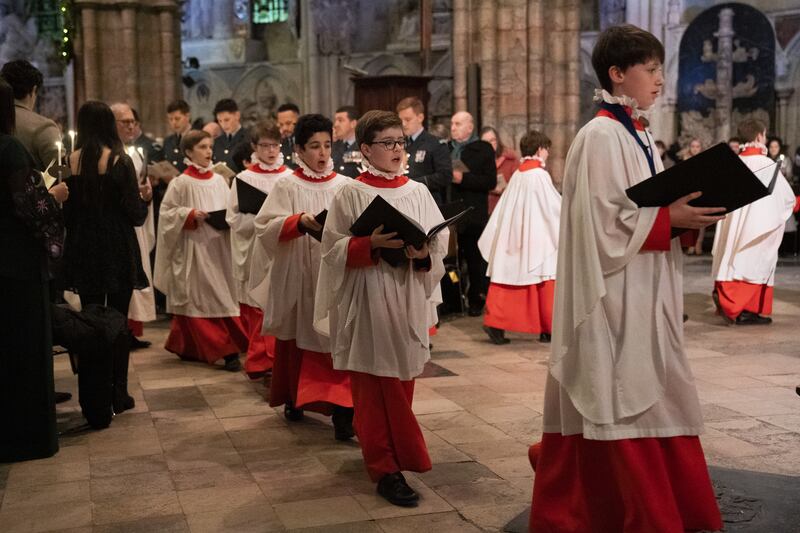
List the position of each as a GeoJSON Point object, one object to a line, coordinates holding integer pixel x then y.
{"type": "Point", "coordinates": [71, 141]}
{"type": "Point", "coordinates": [59, 145]}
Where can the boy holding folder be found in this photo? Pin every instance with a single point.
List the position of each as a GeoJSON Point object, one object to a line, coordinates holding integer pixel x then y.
{"type": "Point", "coordinates": [377, 315]}
{"type": "Point", "coordinates": [620, 449]}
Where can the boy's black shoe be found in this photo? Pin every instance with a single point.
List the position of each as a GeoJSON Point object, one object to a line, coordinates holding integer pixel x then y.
{"type": "Point", "coordinates": [544, 337]}
{"type": "Point", "coordinates": [715, 297]}
{"type": "Point", "coordinates": [291, 414]}
{"type": "Point", "coordinates": [475, 310]}
{"type": "Point", "coordinates": [496, 335]}
{"type": "Point", "coordinates": [343, 423]}
{"type": "Point", "coordinates": [232, 363]}
{"type": "Point", "coordinates": [746, 318]}
{"type": "Point", "coordinates": [62, 397]}
{"type": "Point", "coordinates": [394, 488]}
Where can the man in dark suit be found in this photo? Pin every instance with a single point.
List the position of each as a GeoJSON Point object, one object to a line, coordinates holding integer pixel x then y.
{"type": "Point", "coordinates": [152, 150]}
{"type": "Point", "coordinates": [286, 118]}
{"type": "Point", "coordinates": [428, 158]}
{"type": "Point", "coordinates": [345, 153]}
{"type": "Point", "coordinates": [474, 175]}
{"type": "Point", "coordinates": [227, 115]}
{"type": "Point", "coordinates": [179, 116]}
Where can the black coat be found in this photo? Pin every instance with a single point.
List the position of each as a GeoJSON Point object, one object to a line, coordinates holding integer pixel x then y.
{"type": "Point", "coordinates": [429, 163]}
{"type": "Point", "coordinates": [227, 150]}
{"type": "Point", "coordinates": [172, 152]}
{"type": "Point", "coordinates": [287, 149]}
{"type": "Point", "coordinates": [478, 156]}
{"type": "Point", "coordinates": [346, 158]}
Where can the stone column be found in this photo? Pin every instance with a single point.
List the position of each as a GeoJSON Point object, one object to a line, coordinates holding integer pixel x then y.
{"type": "Point", "coordinates": [461, 36]}
{"type": "Point", "coordinates": [536, 53]}
{"type": "Point", "coordinates": [724, 103]}
{"type": "Point", "coordinates": [90, 54]}
{"type": "Point", "coordinates": [130, 54]}
{"type": "Point", "coordinates": [166, 20]}
{"type": "Point", "coordinates": [487, 31]}
{"type": "Point", "coordinates": [782, 124]}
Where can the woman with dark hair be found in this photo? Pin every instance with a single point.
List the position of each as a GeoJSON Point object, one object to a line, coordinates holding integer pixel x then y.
{"type": "Point", "coordinates": [506, 161]}
{"type": "Point", "coordinates": [31, 233]}
{"type": "Point", "coordinates": [102, 259]}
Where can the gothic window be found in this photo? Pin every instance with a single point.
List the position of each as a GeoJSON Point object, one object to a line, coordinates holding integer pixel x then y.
{"type": "Point", "coordinates": [269, 11]}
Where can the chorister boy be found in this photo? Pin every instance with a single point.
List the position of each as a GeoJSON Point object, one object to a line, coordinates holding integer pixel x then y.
{"type": "Point", "coordinates": [284, 274]}
{"type": "Point", "coordinates": [746, 243]}
{"type": "Point", "coordinates": [193, 262]}
{"type": "Point", "coordinates": [265, 169]}
{"type": "Point", "coordinates": [378, 315]}
{"type": "Point", "coordinates": [620, 449]}
{"type": "Point", "coordinates": [520, 243]}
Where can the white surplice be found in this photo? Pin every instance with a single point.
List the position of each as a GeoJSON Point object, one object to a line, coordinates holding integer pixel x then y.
{"type": "Point", "coordinates": [618, 368]}
{"type": "Point", "coordinates": [283, 275]}
{"type": "Point", "coordinates": [520, 241]}
{"type": "Point", "coordinates": [746, 243]}
{"type": "Point", "coordinates": [193, 267]}
{"type": "Point", "coordinates": [243, 228]}
{"type": "Point", "coordinates": [378, 316]}
{"type": "Point", "coordinates": [143, 301]}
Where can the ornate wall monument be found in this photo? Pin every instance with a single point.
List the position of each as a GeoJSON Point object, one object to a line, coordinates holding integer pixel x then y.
{"type": "Point", "coordinates": [528, 53]}
{"type": "Point", "coordinates": [129, 51]}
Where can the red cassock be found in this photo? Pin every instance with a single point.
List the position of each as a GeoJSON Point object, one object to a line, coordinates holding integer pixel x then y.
{"type": "Point", "coordinates": [261, 348]}
{"type": "Point", "coordinates": [206, 339]}
{"type": "Point", "coordinates": [737, 296]}
{"type": "Point", "coordinates": [136, 327]}
{"type": "Point", "coordinates": [520, 308]}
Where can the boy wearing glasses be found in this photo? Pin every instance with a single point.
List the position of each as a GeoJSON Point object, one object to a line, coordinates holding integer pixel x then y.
{"type": "Point", "coordinates": [620, 449]}
{"type": "Point", "coordinates": [265, 169]}
{"type": "Point", "coordinates": [377, 315]}
{"type": "Point", "coordinates": [283, 280]}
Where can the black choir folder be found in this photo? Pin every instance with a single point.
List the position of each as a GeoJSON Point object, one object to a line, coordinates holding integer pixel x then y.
{"type": "Point", "coordinates": [250, 198]}
{"type": "Point", "coordinates": [718, 173]}
{"type": "Point", "coordinates": [379, 211]}
{"type": "Point", "coordinates": [320, 217]}
{"type": "Point", "coordinates": [216, 219]}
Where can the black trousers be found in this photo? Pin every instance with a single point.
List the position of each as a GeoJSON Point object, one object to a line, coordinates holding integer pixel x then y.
{"type": "Point", "coordinates": [120, 300]}
{"type": "Point", "coordinates": [476, 266]}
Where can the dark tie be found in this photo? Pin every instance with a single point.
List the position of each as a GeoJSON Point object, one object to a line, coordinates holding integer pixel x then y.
{"type": "Point", "coordinates": [230, 137]}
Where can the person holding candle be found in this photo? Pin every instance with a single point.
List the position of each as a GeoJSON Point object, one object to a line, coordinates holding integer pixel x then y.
{"type": "Point", "coordinates": [36, 133]}
{"type": "Point", "coordinates": [102, 262]}
{"type": "Point", "coordinates": [193, 263]}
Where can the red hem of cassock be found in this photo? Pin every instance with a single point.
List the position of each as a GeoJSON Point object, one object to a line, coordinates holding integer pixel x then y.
{"type": "Point", "coordinates": [628, 485]}
{"type": "Point", "coordinates": [738, 296]}
{"type": "Point", "coordinates": [689, 238]}
{"type": "Point", "coordinates": [136, 327]}
{"type": "Point", "coordinates": [388, 432]}
{"type": "Point", "coordinates": [205, 339]}
{"type": "Point", "coordinates": [261, 348]}
{"type": "Point", "coordinates": [307, 379]}
{"type": "Point", "coordinates": [520, 308]}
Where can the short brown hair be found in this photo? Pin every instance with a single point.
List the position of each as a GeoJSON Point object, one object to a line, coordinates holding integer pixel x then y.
{"type": "Point", "coordinates": [373, 122]}
{"type": "Point", "coordinates": [623, 46]}
{"type": "Point", "coordinates": [266, 129]}
{"type": "Point", "coordinates": [179, 105]}
{"type": "Point", "coordinates": [532, 141]}
{"type": "Point", "coordinates": [749, 129]}
{"type": "Point", "coordinates": [413, 102]}
{"type": "Point", "coordinates": [192, 139]}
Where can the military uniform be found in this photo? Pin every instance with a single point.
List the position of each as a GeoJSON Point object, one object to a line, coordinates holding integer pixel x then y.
{"type": "Point", "coordinates": [429, 163]}
{"type": "Point", "coordinates": [172, 151]}
{"type": "Point", "coordinates": [347, 158]}
{"type": "Point", "coordinates": [226, 147]}
{"type": "Point", "coordinates": [287, 149]}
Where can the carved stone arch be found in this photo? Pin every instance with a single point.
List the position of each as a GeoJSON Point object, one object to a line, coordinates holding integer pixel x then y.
{"type": "Point", "coordinates": [387, 64]}
{"type": "Point", "coordinates": [261, 90]}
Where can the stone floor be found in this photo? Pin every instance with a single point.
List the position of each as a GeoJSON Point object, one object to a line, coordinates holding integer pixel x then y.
{"type": "Point", "coordinates": [203, 452]}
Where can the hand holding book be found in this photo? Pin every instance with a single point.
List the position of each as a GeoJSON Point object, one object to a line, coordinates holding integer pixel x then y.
{"type": "Point", "coordinates": [683, 215]}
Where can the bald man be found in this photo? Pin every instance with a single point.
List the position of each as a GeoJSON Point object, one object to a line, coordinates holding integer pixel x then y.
{"type": "Point", "coordinates": [474, 175]}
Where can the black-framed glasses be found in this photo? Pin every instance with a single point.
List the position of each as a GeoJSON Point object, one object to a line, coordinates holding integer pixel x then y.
{"type": "Point", "coordinates": [391, 144]}
{"type": "Point", "coordinates": [273, 146]}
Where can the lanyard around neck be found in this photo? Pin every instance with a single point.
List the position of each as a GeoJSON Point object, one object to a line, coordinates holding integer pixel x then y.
{"type": "Point", "coordinates": [622, 116]}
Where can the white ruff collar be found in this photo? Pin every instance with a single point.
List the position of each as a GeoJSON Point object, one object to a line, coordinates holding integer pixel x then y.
{"type": "Point", "coordinates": [263, 166]}
{"type": "Point", "coordinates": [379, 173]}
{"type": "Point", "coordinates": [533, 158]}
{"type": "Point", "coordinates": [310, 173]}
{"type": "Point", "coordinates": [190, 163]}
{"type": "Point", "coordinates": [601, 95]}
{"type": "Point", "coordinates": [754, 144]}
